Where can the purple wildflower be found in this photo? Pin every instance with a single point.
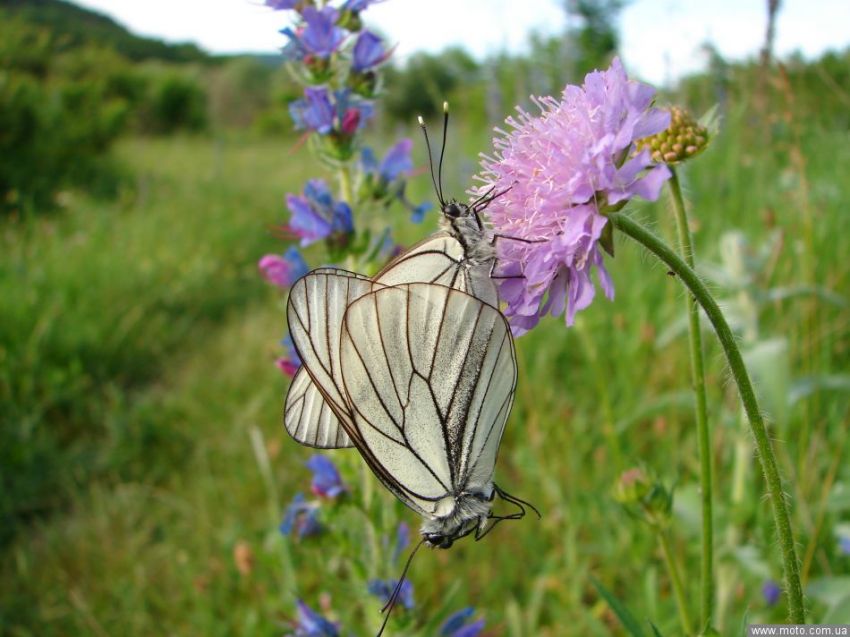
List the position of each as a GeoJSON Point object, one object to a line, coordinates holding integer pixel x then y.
{"type": "Point", "coordinates": [290, 362]}
{"type": "Point", "coordinates": [844, 544]}
{"type": "Point", "coordinates": [455, 625]}
{"type": "Point", "coordinates": [562, 170]}
{"type": "Point", "coordinates": [314, 111]}
{"type": "Point", "coordinates": [283, 270]}
{"type": "Point", "coordinates": [294, 50]}
{"type": "Point", "coordinates": [316, 215]}
{"type": "Point", "coordinates": [383, 589]}
{"type": "Point", "coordinates": [311, 624]}
{"type": "Point", "coordinates": [369, 51]}
{"type": "Point", "coordinates": [327, 482]}
{"type": "Point", "coordinates": [356, 6]}
{"type": "Point", "coordinates": [397, 161]}
{"type": "Point", "coordinates": [301, 517]}
{"type": "Point", "coordinates": [280, 5]}
{"type": "Point", "coordinates": [771, 592]}
{"type": "Point", "coordinates": [321, 36]}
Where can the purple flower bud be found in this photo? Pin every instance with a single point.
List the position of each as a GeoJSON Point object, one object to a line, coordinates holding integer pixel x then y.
{"type": "Point", "coordinates": [383, 590]}
{"type": "Point", "coordinates": [321, 36]}
{"type": "Point", "coordinates": [350, 121]}
{"type": "Point", "coordinates": [368, 52]}
{"type": "Point", "coordinates": [346, 101]}
{"type": "Point", "coordinates": [327, 482]}
{"type": "Point", "coordinates": [314, 111]}
{"type": "Point", "coordinates": [771, 592]}
{"type": "Point", "coordinates": [311, 624]}
{"type": "Point", "coordinates": [301, 517]}
{"type": "Point", "coordinates": [283, 270]}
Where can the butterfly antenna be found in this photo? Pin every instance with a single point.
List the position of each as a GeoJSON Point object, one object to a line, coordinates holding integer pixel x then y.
{"type": "Point", "coordinates": [443, 148]}
{"type": "Point", "coordinates": [486, 199]}
{"type": "Point", "coordinates": [431, 161]}
{"type": "Point", "coordinates": [391, 602]}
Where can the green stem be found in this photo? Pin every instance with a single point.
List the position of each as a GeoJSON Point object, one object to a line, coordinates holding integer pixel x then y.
{"type": "Point", "coordinates": [686, 249]}
{"type": "Point", "coordinates": [676, 581]}
{"type": "Point", "coordinates": [745, 388]}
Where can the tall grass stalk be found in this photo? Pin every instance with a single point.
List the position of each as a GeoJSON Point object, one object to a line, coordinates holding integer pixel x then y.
{"type": "Point", "coordinates": [767, 458]}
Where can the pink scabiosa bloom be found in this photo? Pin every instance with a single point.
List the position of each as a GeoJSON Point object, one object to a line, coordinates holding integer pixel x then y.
{"type": "Point", "coordinates": [561, 172]}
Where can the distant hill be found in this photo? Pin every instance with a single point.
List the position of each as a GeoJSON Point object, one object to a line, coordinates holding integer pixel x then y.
{"type": "Point", "coordinates": [78, 25]}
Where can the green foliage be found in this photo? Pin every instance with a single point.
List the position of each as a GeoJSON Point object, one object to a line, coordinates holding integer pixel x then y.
{"type": "Point", "coordinates": [175, 102]}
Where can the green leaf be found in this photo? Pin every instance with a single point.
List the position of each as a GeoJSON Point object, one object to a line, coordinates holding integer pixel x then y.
{"type": "Point", "coordinates": [623, 614]}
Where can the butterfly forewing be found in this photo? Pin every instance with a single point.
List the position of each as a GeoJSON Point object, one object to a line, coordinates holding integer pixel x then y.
{"type": "Point", "coordinates": [441, 259]}
{"type": "Point", "coordinates": [309, 419]}
{"type": "Point", "coordinates": [430, 374]}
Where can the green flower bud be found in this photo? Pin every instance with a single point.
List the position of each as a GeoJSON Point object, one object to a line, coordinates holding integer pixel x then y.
{"type": "Point", "coordinates": [644, 497]}
{"type": "Point", "coordinates": [684, 138]}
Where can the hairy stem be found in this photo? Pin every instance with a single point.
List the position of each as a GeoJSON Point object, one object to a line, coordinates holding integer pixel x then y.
{"type": "Point", "coordinates": [676, 581]}
{"type": "Point", "coordinates": [703, 434]}
{"type": "Point", "coordinates": [767, 458]}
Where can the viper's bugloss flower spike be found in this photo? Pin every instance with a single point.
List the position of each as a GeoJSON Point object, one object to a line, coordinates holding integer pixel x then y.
{"type": "Point", "coordinates": [326, 483]}
{"type": "Point", "coordinates": [561, 171]}
{"type": "Point", "coordinates": [312, 624]}
{"type": "Point", "coordinates": [682, 139]}
{"type": "Point", "coordinates": [283, 270]}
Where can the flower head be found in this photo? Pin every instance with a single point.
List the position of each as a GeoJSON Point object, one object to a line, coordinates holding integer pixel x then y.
{"type": "Point", "coordinates": [321, 36]}
{"type": "Point", "coordinates": [283, 270]}
{"type": "Point", "coordinates": [369, 51]}
{"type": "Point", "coordinates": [290, 362]}
{"type": "Point", "coordinates": [327, 482]}
{"type": "Point", "coordinates": [844, 544]}
{"type": "Point", "coordinates": [316, 215]}
{"type": "Point", "coordinates": [456, 626]}
{"type": "Point", "coordinates": [311, 624]}
{"type": "Point", "coordinates": [771, 592]}
{"type": "Point", "coordinates": [301, 517]}
{"type": "Point", "coordinates": [682, 139]}
{"type": "Point", "coordinates": [383, 589]}
{"type": "Point", "coordinates": [560, 171]}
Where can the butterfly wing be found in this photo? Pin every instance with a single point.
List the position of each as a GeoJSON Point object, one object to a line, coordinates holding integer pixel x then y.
{"type": "Point", "coordinates": [315, 403]}
{"type": "Point", "coordinates": [441, 258]}
{"type": "Point", "coordinates": [309, 419]}
{"type": "Point", "coordinates": [430, 373]}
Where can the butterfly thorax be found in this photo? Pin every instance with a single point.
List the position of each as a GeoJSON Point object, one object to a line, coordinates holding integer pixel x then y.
{"type": "Point", "coordinates": [467, 512]}
{"type": "Point", "coordinates": [464, 224]}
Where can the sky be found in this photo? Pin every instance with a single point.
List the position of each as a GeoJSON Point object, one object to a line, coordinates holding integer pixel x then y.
{"type": "Point", "coordinates": [660, 38]}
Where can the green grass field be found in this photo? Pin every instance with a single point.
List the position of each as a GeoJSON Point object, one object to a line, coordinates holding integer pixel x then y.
{"type": "Point", "coordinates": [142, 439]}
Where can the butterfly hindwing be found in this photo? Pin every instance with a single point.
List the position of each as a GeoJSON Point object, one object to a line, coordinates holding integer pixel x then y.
{"type": "Point", "coordinates": [430, 374]}
{"type": "Point", "coordinates": [309, 419]}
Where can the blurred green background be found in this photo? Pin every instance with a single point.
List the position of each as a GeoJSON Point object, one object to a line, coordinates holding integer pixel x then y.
{"type": "Point", "coordinates": [140, 412]}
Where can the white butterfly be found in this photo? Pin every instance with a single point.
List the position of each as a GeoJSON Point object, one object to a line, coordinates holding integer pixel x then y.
{"type": "Point", "coordinates": [416, 368]}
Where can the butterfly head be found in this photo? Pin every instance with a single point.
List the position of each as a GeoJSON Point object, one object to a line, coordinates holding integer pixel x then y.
{"type": "Point", "coordinates": [454, 209]}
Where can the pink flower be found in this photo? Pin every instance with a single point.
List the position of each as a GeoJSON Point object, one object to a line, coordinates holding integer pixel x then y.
{"type": "Point", "coordinates": [563, 170]}
{"type": "Point", "coordinates": [283, 270]}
